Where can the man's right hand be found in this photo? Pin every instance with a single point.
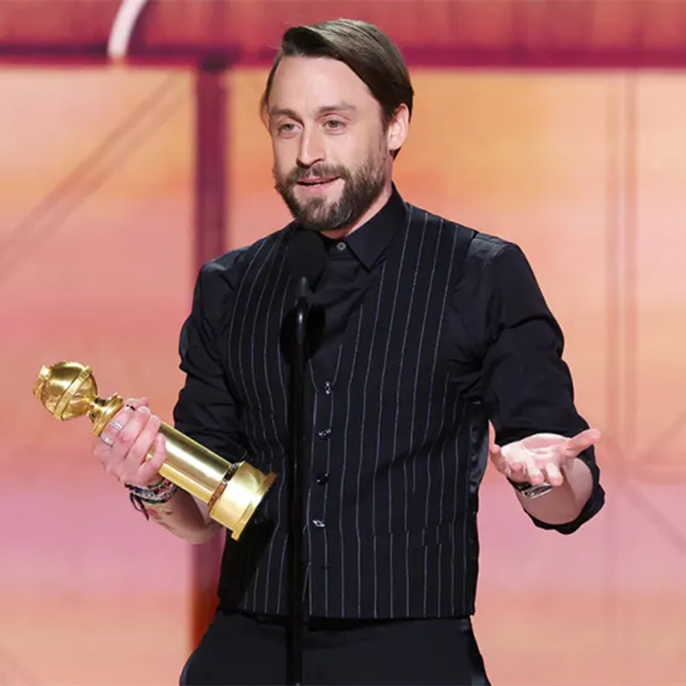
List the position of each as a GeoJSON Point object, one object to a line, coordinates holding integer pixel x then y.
{"type": "Point", "coordinates": [123, 446]}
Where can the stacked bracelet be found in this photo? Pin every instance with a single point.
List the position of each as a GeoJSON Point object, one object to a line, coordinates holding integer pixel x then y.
{"type": "Point", "coordinates": [160, 493]}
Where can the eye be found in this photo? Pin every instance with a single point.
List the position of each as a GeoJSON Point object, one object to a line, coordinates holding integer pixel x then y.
{"type": "Point", "coordinates": [286, 128]}
{"type": "Point", "coordinates": [334, 124]}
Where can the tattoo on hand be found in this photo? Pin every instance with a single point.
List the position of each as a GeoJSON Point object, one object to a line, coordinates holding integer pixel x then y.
{"type": "Point", "coordinates": [159, 514]}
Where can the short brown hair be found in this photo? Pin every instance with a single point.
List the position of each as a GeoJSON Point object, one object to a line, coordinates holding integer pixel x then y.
{"type": "Point", "coordinates": [363, 47]}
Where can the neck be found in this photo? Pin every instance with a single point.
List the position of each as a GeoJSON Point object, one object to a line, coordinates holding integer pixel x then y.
{"type": "Point", "coordinates": [374, 208]}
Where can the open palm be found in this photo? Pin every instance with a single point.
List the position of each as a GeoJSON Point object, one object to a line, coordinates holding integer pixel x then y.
{"type": "Point", "coordinates": [541, 457]}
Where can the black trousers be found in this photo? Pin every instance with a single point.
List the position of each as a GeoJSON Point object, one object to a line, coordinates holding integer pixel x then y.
{"type": "Point", "coordinates": [246, 649]}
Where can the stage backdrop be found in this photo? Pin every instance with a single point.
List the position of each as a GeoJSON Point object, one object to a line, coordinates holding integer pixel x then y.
{"type": "Point", "coordinates": [585, 171]}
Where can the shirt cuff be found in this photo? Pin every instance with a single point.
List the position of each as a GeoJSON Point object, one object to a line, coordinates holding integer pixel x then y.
{"type": "Point", "coordinates": [591, 508]}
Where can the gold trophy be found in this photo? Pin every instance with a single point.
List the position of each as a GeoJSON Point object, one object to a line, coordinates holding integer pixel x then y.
{"type": "Point", "coordinates": [232, 491]}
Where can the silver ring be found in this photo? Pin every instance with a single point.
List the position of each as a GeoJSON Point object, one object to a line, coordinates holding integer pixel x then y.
{"type": "Point", "coordinates": [116, 425]}
{"type": "Point", "coordinates": [106, 439]}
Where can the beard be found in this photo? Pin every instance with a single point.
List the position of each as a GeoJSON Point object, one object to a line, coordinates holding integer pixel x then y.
{"type": "Point", "coordinates": [360, 189]}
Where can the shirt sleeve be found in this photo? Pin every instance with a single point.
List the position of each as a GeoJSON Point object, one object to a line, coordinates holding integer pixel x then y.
{"type": "Point", "coordinates": [524, 382]}
{"type": "Point", "coordinates": [206, 410]}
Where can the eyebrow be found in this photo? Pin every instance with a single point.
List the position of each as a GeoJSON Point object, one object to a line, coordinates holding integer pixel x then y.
{"type": "Point", "coordinates": [338, 107]}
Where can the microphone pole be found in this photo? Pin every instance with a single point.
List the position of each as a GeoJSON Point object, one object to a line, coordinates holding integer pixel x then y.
{"type": "Point", "coordinates": [306, 259]}
{"type": "Point", "coordinates": [296, 467]}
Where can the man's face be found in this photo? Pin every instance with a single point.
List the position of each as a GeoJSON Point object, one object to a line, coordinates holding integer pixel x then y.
{"type": "Point", "coordinates": [331, 150]}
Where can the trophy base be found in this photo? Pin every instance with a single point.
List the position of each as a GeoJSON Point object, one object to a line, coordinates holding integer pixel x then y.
{"type": "Point", "coordinates": [238, 496]}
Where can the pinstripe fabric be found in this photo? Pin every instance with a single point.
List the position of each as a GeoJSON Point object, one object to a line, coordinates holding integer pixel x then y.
{"type": "Point", "coordinates": [398, 444]}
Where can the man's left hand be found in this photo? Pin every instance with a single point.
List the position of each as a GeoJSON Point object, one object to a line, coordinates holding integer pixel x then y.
{"type": "Point", "coordinates": [541, 457]}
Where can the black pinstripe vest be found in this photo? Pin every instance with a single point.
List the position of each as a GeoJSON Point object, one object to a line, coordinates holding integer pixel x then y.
{"type": "Point", "coordinates": [396, 453]}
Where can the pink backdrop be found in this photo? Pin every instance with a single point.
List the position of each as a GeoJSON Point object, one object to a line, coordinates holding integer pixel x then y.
{"type": "Point", "coordinates": [585, 170]}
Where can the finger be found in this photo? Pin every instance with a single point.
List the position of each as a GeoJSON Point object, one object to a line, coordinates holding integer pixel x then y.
{"type": "Point", "coordinates": [138, 453]}
{"type": "Point", "coordinates": [135, 403]}
{"type": "Point", "coordinates": [533, 473]}
{"type": "Point", "coordinates": [135, 440]}
{"type": "Point", "coordinates": [498, 459]}
{"type": "Point", "coordinates": [124, 440]}
{"type": "Point", "coordinates": [148, 472]}
{"type": "Point", "coordinates": [518, 472]}
{"type": "Point", "coordinates": [116, 425]}
{"type": "Point", "coordinates": [552, 474]}
{"type": "Point", "coordinates": [582, 441]}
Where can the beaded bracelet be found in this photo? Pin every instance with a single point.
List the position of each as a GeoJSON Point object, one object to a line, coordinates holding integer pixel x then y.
{"type": "Point", "coordinates": [158, 494]}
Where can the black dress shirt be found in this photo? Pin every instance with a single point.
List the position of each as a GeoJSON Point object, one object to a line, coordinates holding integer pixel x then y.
{"type": "Point", "coordinates": [428, 330]}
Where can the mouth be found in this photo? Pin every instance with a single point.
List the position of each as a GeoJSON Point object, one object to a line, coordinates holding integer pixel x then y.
{"type": "Point", "coordinates": [316, 184]}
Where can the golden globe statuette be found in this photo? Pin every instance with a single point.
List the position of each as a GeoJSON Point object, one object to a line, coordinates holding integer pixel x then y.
{"type": "Point", "coordinates": [232, 491]}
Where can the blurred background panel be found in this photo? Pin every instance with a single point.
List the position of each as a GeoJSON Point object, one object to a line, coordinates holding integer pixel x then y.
{"type": "Point", "coordinates": [552, 124]}
{"type": "Point", "coordinates": [95, 238]}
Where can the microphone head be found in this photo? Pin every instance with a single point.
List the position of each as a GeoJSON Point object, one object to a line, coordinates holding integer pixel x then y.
{"type": "Point", "coordinates": [306, 256]}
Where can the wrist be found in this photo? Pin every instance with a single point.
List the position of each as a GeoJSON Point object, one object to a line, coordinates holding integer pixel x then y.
{"type": "Point", "coordinates": [143, 497]}
{"type": "Point", "coordinates": [154, 483]}
{"type": "Point", "coordinates": [529, 490]}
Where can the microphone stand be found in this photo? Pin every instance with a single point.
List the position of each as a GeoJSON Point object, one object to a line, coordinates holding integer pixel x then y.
{"type": "Point", "coordinates": [296, 575]}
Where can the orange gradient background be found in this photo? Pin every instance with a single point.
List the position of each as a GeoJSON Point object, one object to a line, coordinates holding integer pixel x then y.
{"type": "Point", "coordinates": [586, 171]}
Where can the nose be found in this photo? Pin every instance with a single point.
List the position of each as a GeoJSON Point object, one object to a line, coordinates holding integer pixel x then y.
{"type": "Point", "coordinates": [311, 149]}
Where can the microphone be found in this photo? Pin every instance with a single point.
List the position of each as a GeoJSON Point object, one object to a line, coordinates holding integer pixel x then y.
{"type": "Point", "coordinates": [305, 260]}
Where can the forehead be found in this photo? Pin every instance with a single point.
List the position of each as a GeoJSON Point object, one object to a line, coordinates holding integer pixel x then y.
{"type": "Point", "coordinates": [309, 83]}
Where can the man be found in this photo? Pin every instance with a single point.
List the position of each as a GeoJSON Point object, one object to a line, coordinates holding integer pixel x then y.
{"type": "Point", "coordinates": [429, 330]}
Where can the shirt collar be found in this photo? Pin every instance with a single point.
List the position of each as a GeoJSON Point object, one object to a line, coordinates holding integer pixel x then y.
{"type": "Point", "coordinates": [368, 242]}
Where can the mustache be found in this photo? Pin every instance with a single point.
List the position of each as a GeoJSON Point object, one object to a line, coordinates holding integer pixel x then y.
{"type": "Point", "coordinates": [317, 172]}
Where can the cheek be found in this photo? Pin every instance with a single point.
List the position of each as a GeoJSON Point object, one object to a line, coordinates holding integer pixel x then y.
{"type": "Point", "coordinates": [348, 151]}
{"type": "Point", "coordinates": [282, 162]}
{"type": "Point", "coordinates": [371, 146]}
{"type": "Point", "coordinates": [284, 151]}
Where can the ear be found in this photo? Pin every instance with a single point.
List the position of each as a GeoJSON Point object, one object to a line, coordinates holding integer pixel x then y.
{"type": "Point", "coordinates": [398, 129]}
